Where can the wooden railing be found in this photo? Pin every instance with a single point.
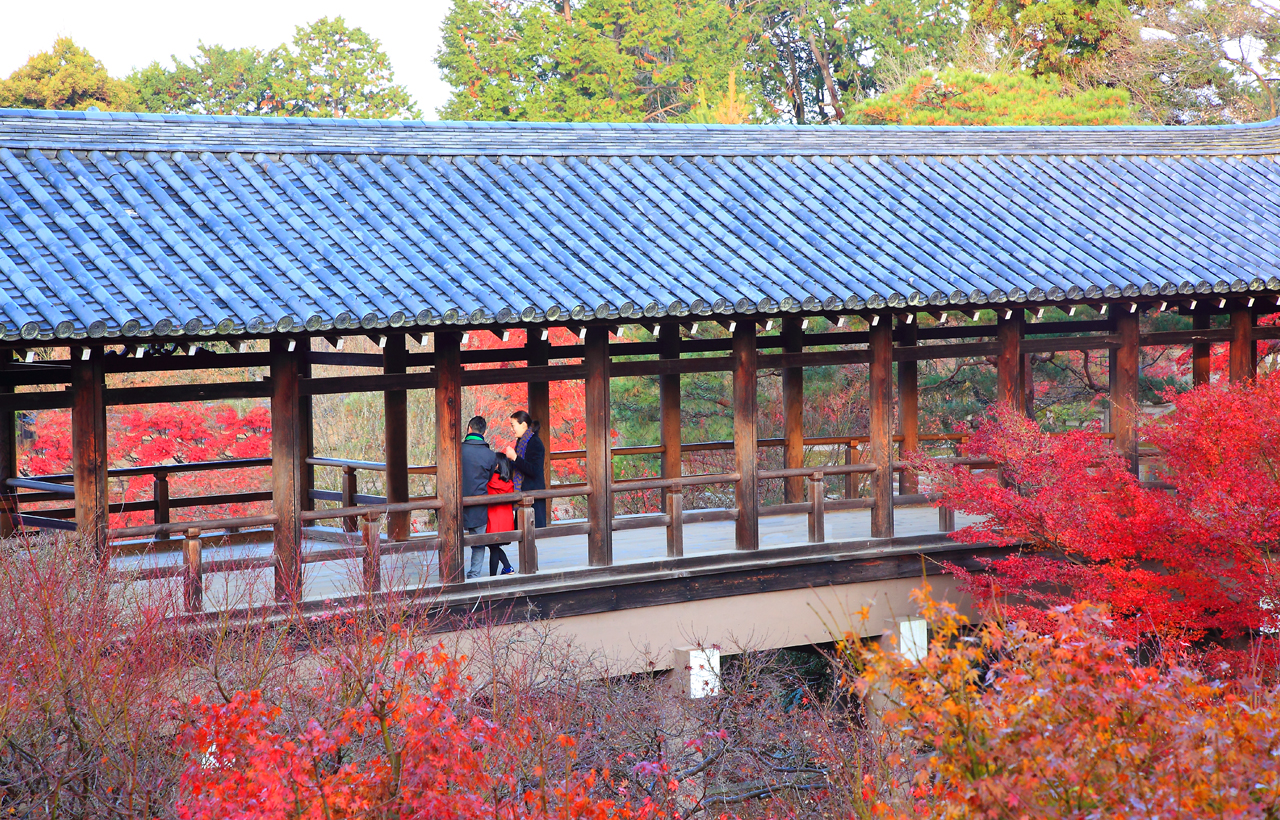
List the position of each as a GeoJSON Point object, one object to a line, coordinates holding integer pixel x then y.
{"type": "Point", "coordinates": [363, 513]}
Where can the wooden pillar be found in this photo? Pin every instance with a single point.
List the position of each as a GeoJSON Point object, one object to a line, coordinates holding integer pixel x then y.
{"type": "Point", "coordinates": [908, 409]}
{"type": "Point", "coordinates": [669, 411]}
{"type": "Point", "coordinates": [89, 445]}
{"type": "Point", "coordinates": [448, 353]}
{"type": "Point", "coordinates": [792, 411]}
{"type": "Point", "coordinates": [286, 468]}
{"type": "Point", "coordinates": [1200, 351]}
{"type": "Point", "coordinates": [8, 456]}
{"type": "Point", "coordinates": [395, 405]}
{"type": "Point", "coordinates": [1243, 354]}
{"type": "Point", "coordinates": [1123, 381]}
{"type": "Point", "coordinates": [881, 445]}
{"type": "Point", "coordinates": [1009, 384]}
{"type": "Point", "coordinates": [537, 353]}
{"type": "Point", "coordinates": [745, 436]}
{"type": "Point", "coordinates": [307, 432]}
{"type": "Point", "coordinates": [599, 452]}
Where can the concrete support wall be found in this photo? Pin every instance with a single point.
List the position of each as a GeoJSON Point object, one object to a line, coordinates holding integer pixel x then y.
{"type": "Point", "coordinates": [647, 638]}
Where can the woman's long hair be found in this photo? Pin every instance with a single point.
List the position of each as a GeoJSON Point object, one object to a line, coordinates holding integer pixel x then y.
{"type": "Point", "coordinates": [523, 417]}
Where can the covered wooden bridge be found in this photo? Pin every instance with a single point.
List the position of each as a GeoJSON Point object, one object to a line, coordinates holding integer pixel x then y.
{"type": "Point", "coordinates": [127, 234]}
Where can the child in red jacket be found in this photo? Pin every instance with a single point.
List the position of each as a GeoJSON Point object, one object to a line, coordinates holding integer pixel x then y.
{"type": "Point", "coordinates": [502, 517]}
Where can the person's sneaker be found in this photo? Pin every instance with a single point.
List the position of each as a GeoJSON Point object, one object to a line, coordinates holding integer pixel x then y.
{"type": "Point", "coordinates": [507, 570]}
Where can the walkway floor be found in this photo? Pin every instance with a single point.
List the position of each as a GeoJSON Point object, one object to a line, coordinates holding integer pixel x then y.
{"type": "Point", "coordinates": [341, 578]}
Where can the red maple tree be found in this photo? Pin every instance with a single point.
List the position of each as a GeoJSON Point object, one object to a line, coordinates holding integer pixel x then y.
{"type": "Point", "coordinates": [159, 435]}
{"type": "Point", "coordinates": [1185, 559]}
{"type": "Point", "coordinates": [400, 749]}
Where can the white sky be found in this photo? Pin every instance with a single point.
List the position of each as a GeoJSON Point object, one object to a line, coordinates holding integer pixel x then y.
{"type": "Point", "coordinates": [130, 34]}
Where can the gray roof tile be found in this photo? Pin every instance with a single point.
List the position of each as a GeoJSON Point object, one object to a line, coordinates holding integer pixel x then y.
{"type": "Point", "coordinates": [138, 225]}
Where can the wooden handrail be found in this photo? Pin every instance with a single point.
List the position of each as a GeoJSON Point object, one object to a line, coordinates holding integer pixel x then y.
{"type": "Point", "coordinates": [192, 467]}
{"type": "Point", "coordinates": [182, 526]}
{"type": "Point", "coordinates": [637, 484]}
{"type": "Point", "coordinates": [825, 470]}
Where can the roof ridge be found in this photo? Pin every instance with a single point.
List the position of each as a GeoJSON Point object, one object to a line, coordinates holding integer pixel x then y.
{"type": "Point", "coordinates": [101, 130]}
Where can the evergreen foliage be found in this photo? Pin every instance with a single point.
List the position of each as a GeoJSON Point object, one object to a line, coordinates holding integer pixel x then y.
{"type": "Point", "coordinates": [332, 70]}
{"type": "Point", "coordinates": [956, 97]}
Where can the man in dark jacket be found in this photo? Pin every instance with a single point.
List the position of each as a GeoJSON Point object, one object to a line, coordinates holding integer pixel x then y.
{"type": "Point", "coordinates": [478, 463]}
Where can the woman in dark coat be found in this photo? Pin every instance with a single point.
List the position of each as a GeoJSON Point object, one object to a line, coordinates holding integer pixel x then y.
{"type": "Point", "coordinates": [528, 458]}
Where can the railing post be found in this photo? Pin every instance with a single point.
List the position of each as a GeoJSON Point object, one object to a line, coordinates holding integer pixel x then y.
{"type": "Point", "coordinates": [851, 481]}
{"type": "Point", "coordinates": [396, 437]}
{"type": "Point", "coordinates": [1200, 351]}
{"type": "Point", "coordinates": [528, 546]}
{"type": "Point", "coordinates": [160, 493]}
{"type": "Point", "coordinates": [598, 446]}
{"type": "Point", "coordinates": [946, 519]}
{"type": "Point", "coordinates": [817, 512]}
{"type": "Point", "coordinates": [372, 558]}
{"type": "Point", "coordinates": [675, 529]}
{"type": "Point", "coordinates": [1243, 352]}
{"type": "Point", "coordinates": [745, 437]}
{"type": "Point", "coordinates": [448, 401]}
{"type": "Point", "coordinates": [192, 571]}
{"type": "Point", "coordinates": [89, 445]}
{"type": "Point", "coordinates": [792, 412]}
{"type": "Point", "coordinates": [8, 457]}
{"type": "Point", "coordinates": [350, 487]}
{"type": "Point", "coordinates": [881, 344]}
{"type": "Point", "coordinates": [286, 469]}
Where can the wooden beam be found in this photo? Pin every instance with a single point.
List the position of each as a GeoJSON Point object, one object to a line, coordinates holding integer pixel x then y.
{"type": "Point", "coordinates": [745, 437]}
{"type": "Point", "coordinates": [598, 444]}
{"type": "Point", "coordinates": [1200, 351]}
{"type": "Point", "coordinates": [8, 456]}
{"type": "Point", "coordinates": [792, 411]}
{"type": "Point", "coordinates": [908, 410]}
{"type": "Point", "coordinates": [449, 454]}
{"type": "Point", "coordinates": [89, 445]}
{"type": "Point", "coordinates": [1009, 359]}
{"type": "Point", "coordinates": [1243, 354]}
{"type": "Point", "coordinates": [287, 459]}
{"type": "Point", "coordinates": [1123, 381]}
{"type": "Point", "coordinates": [881, 400]}
{"type": "Point", "coordinates": [536, 355]}
{"type": "Point", "coordinates": [395, 407]}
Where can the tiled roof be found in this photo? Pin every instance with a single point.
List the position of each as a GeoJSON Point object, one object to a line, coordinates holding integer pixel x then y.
{"type": "Point", "coordinates": [134, 225]}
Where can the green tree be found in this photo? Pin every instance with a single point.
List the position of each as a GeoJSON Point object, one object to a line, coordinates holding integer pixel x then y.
{"type": "Point", "coordinates": [648, 60]}
{"type": "Point", "coordinates": [1052, 36]}
{"type": "Point", "coordinates": [1188, 61]}
{"type": "Point", "coordinates": [65, 78]}
{"type": "Point", "coordinates": [956, 97]}
{"type": "Point", "coordinates": [332, 70]}
{"type": "Point", "coordinates": [822, 56]}
{"type": "Point", "coordinates": [336, 70]}
{"type": "Point", "coordinates": [218, 80]}
{"type": "Point", "coordinates": [601, 60]}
